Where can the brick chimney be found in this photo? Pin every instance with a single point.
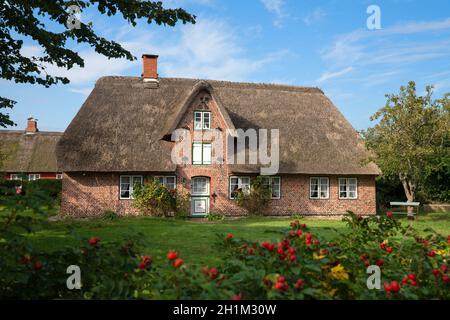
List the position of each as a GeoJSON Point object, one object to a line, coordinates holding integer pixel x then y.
{"type": "Point", "coordinates": [31, 126]}
{"type": "Point", "coordinates": [149, 67]}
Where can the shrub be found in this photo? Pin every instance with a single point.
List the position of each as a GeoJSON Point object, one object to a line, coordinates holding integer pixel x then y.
{"type": "Point", "coordinates": [182, 204]}
{"type": "Point", "coordinates": [213, 216]}
{"type": "Point", "coordinates": [110, 215]}
{"type": "Point", "coordinates": [257, 199]}
{"type": "Point", "coordinates": [154, 199]}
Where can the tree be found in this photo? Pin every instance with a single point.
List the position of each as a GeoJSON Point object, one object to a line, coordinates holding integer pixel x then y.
{"type": "Point", "coordinates": [411, 129]}
{"type": "Point", "coordinates": [30, 19]}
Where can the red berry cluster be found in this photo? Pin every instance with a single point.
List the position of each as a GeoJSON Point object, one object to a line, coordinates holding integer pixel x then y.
{"type": "Point", "coordinates": [389, 214]}
{"type": "Point", "coordinates": [145, 262]}
{"type": "Point", "coordinates": [281, 284]}
{"type": "Point", "coordinates": [384, 247]}
{"type": "Point", "coordinates": [173, 256]}
{"type": "Point", "coordinates": [211, 273]}
{"type": "Point", "coordinates": [27, 259]}
{"type": "Point", "coordinates": [391, 287]}
{"type": "Point", "coordinates": [410, 279]}
{"type": "Point", "coordinates": [442, 273]}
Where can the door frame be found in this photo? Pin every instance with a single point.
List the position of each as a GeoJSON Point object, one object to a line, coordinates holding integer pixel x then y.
{"type": "Point", "coordinates": [200, 196]}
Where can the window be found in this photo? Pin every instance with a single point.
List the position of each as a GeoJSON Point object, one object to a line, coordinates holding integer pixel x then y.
{"type": "Point", "coordinates": [170, 182]}
{"type": "Point", "coordinates": [273, 183]}
{"type": "Point", "coordinates": [127, 184]}
{"type": "Point", "coordinates": [200, 186]}
{"type": "Point", "coordinates": [16, 176]}
{"type": "Point", "coordinates": [348, 188]}
{"type": "Point", "coordinates": [239, 184]}
{"type": "Point", "coordinates": [201, 153]}
{"type": "Point", "coordinates": [34, 176]}
{"type": "Point", "coordinates": [318, 188]}
{"type": "Point", "coordinates": [202, 120]}
{"type": "Point", "coordinates": [59, 176]}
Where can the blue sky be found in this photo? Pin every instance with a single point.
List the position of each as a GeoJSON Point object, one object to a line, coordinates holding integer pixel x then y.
{"type": "Point", "coordinates": [309, 43]}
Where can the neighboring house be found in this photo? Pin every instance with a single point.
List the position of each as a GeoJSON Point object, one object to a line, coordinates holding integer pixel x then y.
{"type": "Point", "coordinates": [122, 136]}
{"type": "Point", "coordinates": [29, 154]}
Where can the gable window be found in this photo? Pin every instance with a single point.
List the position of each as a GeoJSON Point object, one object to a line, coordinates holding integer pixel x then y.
{"type": "Point", "coordinates": [170, 182]}
{"type": "Point", "coordinates": [16, 176]}
{"type": "Point", "coordinates": [273, 184]}
{"type": "Point", "coordinates": [127, 184]}
{"type": "Point", "coordinates": [348, 188]}
{"type": "Point", "coordinates": [319, 187]}
{"type": "Point", "coordinates": [34, 176]}
{"type": "Point", "coordinates": [239, 184]}
{"type": "Point", "coordinates": [201, 153]}
{"type": "Point", "coordinates": [202, 120]}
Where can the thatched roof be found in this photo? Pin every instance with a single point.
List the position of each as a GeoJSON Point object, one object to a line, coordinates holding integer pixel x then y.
{"type": "Point", "coordinates": [121, 125]}
{"type": "Point", "coordinates": [21, 152]}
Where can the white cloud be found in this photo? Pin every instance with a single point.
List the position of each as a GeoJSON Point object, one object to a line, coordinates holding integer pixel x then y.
{"type": "Point", "coordinates": [82, 91]}
{"type": "Point", "coordinates": [208, 49]}
{"type": "Point", "coordinates": [330, 75]}
{"type": "Point", "coordinates": [275, 7]}
{"type": "Point", "coordinates": [316, 15]}
{"type": "Point", "coordinates": [371, 47]}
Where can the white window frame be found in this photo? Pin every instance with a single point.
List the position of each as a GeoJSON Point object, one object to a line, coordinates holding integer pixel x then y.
{"type": "Point", "coordinates": [34, 176]}
{"type": "Point", "coordinates": [59, 176]}
{"type": "Point", "coordinates": [130, 194]}
{"type": "Point", "coordinates": [202, 161]}
{"type": "Point", "coordinates": [319, 188]}
{"type": "Point", "coordinates": [270, 184]}
{"type": "Point", "coordinates": [202, 120]}
{"type": "Point", "coordinates": [165, 183]}
{"type": "Point", "coordinates": [207, 185]}
{"type": "Point", "coordinates": [240, 184]}
{"type": "Point", "coordinates": [15, 176]}
{"type": "Point", "coordinates": [347, 191]}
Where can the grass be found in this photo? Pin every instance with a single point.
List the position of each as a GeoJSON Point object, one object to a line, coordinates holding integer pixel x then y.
{"type": "Point", "coordinates": [195, 240]}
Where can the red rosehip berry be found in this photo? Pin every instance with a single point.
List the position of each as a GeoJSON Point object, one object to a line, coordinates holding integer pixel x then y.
{"type": "Point", "coordinates": [412, 276]}
{"type": "Point", "coordinates": [383, 245]}
{"type": "Point", "coordinates": [444, 267]}
{"type": "Point", "coordinates": [389, 249]}
{"type": "Point", "coordinates": [380, 262]}
{"type": "Point", "coordinates": [172, 255]}
{"type": "Point", "coordinates": [299, 233]}
{"type": "Point", "coordinates": [389, 214]}
{"type": "Point", "coordinates": [142, 265]}
{"type": "Point", "coordinates": [236, 297]}
{"type": "Point", "coordinates": [299, 284]}
{"type": "Point", "coordinates": [445, 278]}
{"type": "Point", "coordinates": [93, 241]}
{"type": "Point", "coordinates": [431, 253]}
{"type": "Point", "coordinates": [229, 236]}
{"type": "Point", "coordinates": [405, 280]}
{"type": "Point", "coordinates": [38, 266]}
{"type": "Point", "coordinates": [291, 250]}
{"type": "Point", "coordinates": [387, 287]}
{"type": "Point", "coordinates": [395, 287]}
{"type": "Point", "coordinates": [436, 272]}
{"type": "Point", "coordinates": [293, 258]}
{"type": "Point", "coordinates": [178, 263]}
{"type": "Point", "coordinates": [26, 259]}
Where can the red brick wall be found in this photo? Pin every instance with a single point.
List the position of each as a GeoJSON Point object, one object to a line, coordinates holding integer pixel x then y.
{"type": "Point", "coordinates": [92, 193]}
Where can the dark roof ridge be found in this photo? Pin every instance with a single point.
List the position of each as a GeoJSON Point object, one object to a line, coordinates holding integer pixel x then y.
{"type": "Point", "coordinates": [241, 84]}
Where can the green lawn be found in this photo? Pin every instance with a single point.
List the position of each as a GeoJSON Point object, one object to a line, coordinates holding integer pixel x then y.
{"type": "Point", "coordinates": [196, 240]}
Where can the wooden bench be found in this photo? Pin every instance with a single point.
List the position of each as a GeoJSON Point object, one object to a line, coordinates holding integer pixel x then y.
{"type": "Point", "coordinates": [397, 205]}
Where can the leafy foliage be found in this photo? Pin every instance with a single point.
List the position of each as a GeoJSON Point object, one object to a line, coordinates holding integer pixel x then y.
{"type": "Point", "coordinates": [411, 129]}
{"type": "Point", "coordinates": [154, 199]}
{"type": "Point", "coordinates": [20, 19]}
{"type": "Point", "coordinates": [257, 199]}
{"type": "Point", "coordinates": [215, 216]}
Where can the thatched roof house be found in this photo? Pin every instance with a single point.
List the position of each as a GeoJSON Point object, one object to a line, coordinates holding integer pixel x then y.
{"type": "Point", "coordinates": [29, 152]}
{"type": "Point", "coordinates": [124, 127]}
